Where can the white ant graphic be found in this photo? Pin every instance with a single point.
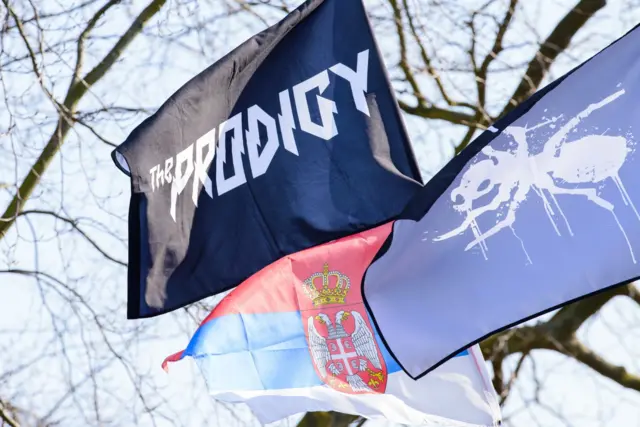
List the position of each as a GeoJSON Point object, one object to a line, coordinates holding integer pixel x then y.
{"type": "Point", "coordinates": [590, 159]}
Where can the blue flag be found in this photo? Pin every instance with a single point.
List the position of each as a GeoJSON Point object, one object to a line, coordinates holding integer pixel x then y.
{"type": "Point", "coordinates": [296, 337]}
{"type": "Point", "coordinates": [539, 211]}
{"type": "Point", "coordinates": [291, 140]}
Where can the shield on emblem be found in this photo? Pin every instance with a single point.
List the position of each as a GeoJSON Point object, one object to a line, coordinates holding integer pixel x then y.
{"type": "Point", "coordinates": [341, 340]}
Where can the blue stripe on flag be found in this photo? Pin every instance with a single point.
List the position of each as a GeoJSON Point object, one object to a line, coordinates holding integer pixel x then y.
{"type": "Point", "coordinates": [265, 351]}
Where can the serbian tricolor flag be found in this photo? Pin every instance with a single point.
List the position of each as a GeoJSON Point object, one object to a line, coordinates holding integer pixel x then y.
{"type": "Point", "coordinates": [296, 337]}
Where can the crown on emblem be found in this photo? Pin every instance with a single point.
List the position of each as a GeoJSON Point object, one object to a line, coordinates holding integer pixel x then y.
{"type": "Point", "coordinates": [328, 287]}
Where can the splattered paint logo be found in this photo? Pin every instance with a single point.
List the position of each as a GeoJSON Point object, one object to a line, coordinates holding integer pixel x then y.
{"type": "Point", "coordinates": [588, 162]}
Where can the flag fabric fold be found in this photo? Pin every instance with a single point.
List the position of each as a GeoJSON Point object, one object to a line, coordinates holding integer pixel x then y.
{"type": "Point", "coordinates": [296, 337]}
{"type": "Point", "coordinates": [539, 211]}
{"type": "Point", "coordinates": [291, 140]}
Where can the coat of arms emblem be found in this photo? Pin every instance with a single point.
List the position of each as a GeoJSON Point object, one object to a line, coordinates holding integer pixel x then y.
{"type": "Point", "coordinates": [340, 337]}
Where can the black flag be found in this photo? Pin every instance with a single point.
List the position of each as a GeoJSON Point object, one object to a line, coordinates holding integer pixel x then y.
{"type": "Point", "coordinates": [291, 140]}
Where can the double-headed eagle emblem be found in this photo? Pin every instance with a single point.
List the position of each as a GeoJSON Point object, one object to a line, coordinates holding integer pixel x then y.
{"type": "Point", "coordinates": [346, 356]}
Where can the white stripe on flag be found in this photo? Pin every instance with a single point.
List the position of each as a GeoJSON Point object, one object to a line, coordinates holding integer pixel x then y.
{"type": "Point", "coordinates": [457, 390]}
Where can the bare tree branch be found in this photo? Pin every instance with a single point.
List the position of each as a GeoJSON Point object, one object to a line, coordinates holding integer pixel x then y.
{"type": "Point", "coordinates": [6, 418]}
{"type": "Point", "coordinates": [42, 16]}
{"type": "Point", "coordinates": [554, 45]}
{"type": "Point", "coordinates": [482, 71]}
{"type": "Point", "coordinates": [559, 334]}
{"type": "Point", "coordinates": [428, 63]}
{"type": "Point", "coordinates": [433, 112]}
{"type": "Point", "coordinates": [83, 36]}
{"type": "Point", "coordinates": [73, 97]}
{"type": "Point", "coordinates": [557, 42]}
{"type": "Point", "coordinates": [619, 374]}
{"type": "Point", "coordinates": [327, 419]}
{"type": "Point", "coordinates": [30, 50]}
{"type": "Point", "coordinates": [404, 56]}
{"type": "Point", "coordinates": [633, 293]}
{"type": "Point", "coordinates": [75, 226]}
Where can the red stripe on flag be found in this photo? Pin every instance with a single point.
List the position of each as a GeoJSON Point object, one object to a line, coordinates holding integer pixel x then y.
{"type": "Point", "coordinates": [277, 288]}
{"type": "Point", "coordinates": [173, 358]}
